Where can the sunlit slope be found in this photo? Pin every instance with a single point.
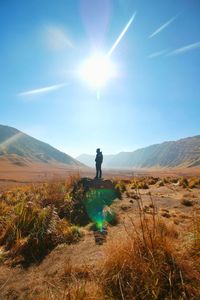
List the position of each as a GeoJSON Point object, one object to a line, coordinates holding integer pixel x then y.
{"type": "Point", "coordinates": [181, 153]}
{"type": "Point", "coordinates": [14, 143]}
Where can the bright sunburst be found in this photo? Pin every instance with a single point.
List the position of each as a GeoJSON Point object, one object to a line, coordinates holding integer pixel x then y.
{"type": "Point", "coordinates": [97, 70]}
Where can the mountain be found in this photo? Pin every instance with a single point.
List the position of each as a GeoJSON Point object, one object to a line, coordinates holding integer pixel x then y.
{"type": "Point", "coordinates": [20, 149]}
{"type": "Point", "coordinates": [182, 153]}
{"type": "Point", "coordinates": [89, 159]}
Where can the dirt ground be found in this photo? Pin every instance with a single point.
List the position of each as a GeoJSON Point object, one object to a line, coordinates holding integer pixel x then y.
{"type": "Point", "coordinates": [12, 175]}
{"type": "Point", "coordinates": [19, 283]}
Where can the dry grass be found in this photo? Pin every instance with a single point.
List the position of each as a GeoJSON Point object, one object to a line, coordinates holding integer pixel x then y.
{"type": "Point", "coordinates": [78, 283]}
{"type": "Point", "coordinates": [152, 259]}
{"type": "Point", "coordinates": [195, 240]}
{"type": "Point", "coordinates": [142, 182]}
{"type": "Point", "coordinates": [145, 264]}
{"type": "Point", "coordinates": [36, 218]}
{"type": "Point", "coordinates": [194, 182]}
{"type": "Point", "coordinates": [76, 290]}
{"type": "Point", "coordinates": [32, 219]}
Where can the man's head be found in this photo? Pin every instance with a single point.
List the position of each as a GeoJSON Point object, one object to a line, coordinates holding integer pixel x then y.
{"type": "Point", "coordinates": [98, 150]}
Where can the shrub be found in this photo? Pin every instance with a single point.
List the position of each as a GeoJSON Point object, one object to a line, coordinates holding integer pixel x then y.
{"type": "Point", "coordinates": [140, 183]}
{"type": "Point", "coordinates": [174, 180]}
{"type": "Point", "coordinates": [160, 183]}
{"type": "Point", "coordinates": [183, 182]}
{"type": "Point", "coordinates": [194, 183]}
{"type": "Point", "coordinates": [31, 232]}
{"type": "Point", "coordinates": [144, 186]}
{"type": "Point", "coordinates": [34, 219]}
{"type": "Point", "coordinates": [120, 187]}
{"type": "Point", "coordinates": [152, 180]}
{"type": "Point", "coordinates": [167, 180]}
{"type": "Point", "coordinates": [78, 211]}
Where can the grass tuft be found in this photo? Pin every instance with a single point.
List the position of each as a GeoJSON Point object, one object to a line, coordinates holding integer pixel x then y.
{"type": "Point", "coordinates": [144, 264]}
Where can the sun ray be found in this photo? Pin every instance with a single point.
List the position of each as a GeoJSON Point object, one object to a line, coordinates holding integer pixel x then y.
{"type": "Point", "coordinates": [42, 90]}
{"type": "Point", "coordinates": [10, 140]}
{"type": "Point", "coordinates": [121, 34]}
{"type": "Point", "coordinates": [158, 53]}
{"type": "Point", "coordinates": [185, 49]}
{"type": "Point", "coordinates": [162, 27]}
{"type": "Point", "coordinates": [98, 69]}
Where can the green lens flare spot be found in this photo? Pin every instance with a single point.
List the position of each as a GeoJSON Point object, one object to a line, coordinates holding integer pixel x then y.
{"type": "Point", "coordinates": [95, 202]}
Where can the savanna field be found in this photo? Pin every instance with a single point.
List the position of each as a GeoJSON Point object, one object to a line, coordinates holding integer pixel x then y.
{"type": "Point", "coordinates": [135, 238]}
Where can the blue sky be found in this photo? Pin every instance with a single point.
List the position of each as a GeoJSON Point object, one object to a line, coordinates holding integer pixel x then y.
{"type": "Point", "coordinates": [155, 95]}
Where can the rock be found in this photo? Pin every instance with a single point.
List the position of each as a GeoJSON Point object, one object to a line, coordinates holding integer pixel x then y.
{"type": "Point", "coordinates": [89, 183]}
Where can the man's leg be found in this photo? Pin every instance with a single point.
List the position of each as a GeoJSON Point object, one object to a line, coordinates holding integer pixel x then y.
{"type": "Point", "coordinates": [96, 171]}
{"type": "Point", "coordinates": [100, 172]}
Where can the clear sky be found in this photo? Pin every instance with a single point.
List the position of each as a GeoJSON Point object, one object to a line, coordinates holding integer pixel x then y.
{"type": "Point", "coordinates": [154, 95]}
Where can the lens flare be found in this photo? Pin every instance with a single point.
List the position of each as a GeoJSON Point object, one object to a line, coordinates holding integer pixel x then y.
{"type": "Point", "coordinates": [97, 70]}
{"type": "Point", "coordinates": [95, 203]}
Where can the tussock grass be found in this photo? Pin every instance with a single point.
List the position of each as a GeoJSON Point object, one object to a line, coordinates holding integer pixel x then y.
{"type": "Point", "coordinates": [191, 183]}
{"type": "Point", "coordinates": [151, 259]}
{"type": "Point", "coordinates": [195, 240]}
{"type": "Point", "coordinates": [144, 263]}
{"type": "Point", "coordinates": [194, 182]}
{"type": "Point", "coordinates": [183, 182]}
{"type": "Point", "coordinates": [120, 186]}
{"type": "Point", "coordinates": [37, 218]}
{"type": "Point", "coordinates": [81, 283]}
{"type": "Point", "coordinates": [141, 183]}
{"type": "Point", "coordinates": [32, 233]}
{"type": "Point", "coordinates": [34, 219]}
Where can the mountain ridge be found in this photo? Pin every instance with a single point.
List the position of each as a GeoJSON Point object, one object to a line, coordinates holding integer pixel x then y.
{"type": "Point", "coordinates": [15, 144]}
{"type": "Point", "coordinates": [184, 152]}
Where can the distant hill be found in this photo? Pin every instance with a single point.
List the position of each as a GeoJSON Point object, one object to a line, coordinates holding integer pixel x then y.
{"type": "Point", "coordinates": [20, 148]}
{"type": "Point", "coordinates": [182, 153]}
{"type": "Point", "coordinates": [89, 159]}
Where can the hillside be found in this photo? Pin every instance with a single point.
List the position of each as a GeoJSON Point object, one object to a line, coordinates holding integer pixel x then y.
{"type": "Point", "coordinates": [20, 148]}
{"type": "Point", "coordinates": [182, 153]}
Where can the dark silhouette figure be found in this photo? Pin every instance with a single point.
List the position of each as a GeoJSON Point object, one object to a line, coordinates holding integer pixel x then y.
{"type": "Point", "coordinates": [98, 160]}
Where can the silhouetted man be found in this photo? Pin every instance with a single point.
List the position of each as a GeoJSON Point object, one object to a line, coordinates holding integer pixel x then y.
{"type": "Point", "coordinates": [98, 160]}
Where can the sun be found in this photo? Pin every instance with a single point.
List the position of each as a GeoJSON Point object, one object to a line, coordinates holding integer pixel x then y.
{"type": "Point", "coordinates": [97, 71]}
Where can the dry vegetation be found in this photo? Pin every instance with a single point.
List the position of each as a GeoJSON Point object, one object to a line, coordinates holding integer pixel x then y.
{"type": "Point", "coordinates": [148, 256]}
{"type": "Point", "coordinates": [34, 219]}
{"type": "Point", "coordinates": [145, 264]}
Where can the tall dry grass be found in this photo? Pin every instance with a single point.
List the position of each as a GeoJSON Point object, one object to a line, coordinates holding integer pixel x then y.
{"type": "Point", "coordinates": [150, 260]}
{"type": "Point", "coordinates": [34, 219]}
{"type": "Point", "coordinates": [195, 240]}
{"type": "Point", "coordinates": [148, 263]}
